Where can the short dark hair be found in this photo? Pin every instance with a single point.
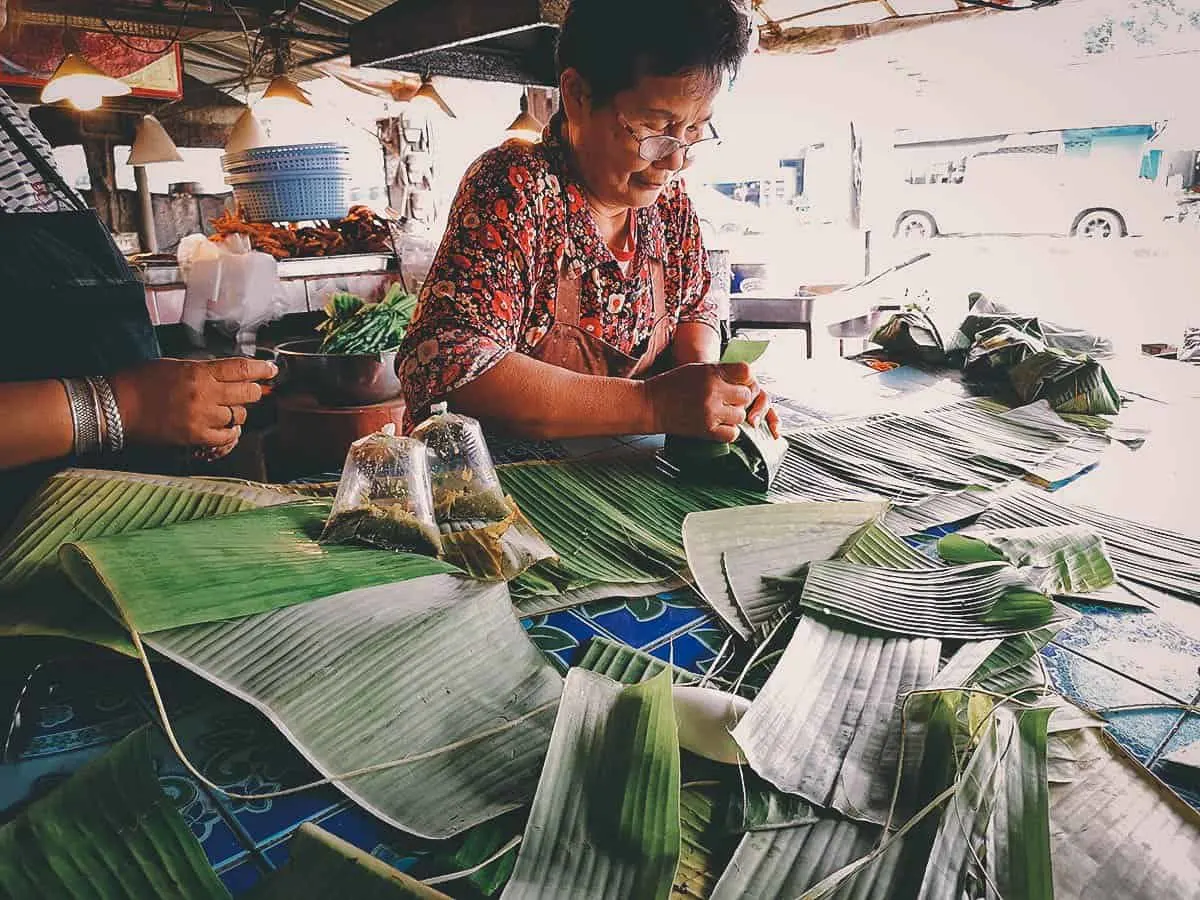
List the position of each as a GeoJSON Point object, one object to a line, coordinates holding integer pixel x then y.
{"type": "Point", "coordinates": [613, 43]}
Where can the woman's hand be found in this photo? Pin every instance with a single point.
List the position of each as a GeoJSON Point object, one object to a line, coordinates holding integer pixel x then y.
{"type": "Point", "coordinates": [708, 401]}
{"type": "Point", "coordinates": [181, 403]}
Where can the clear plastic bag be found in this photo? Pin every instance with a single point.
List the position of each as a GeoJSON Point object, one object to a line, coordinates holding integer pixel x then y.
{"type": "Point", "coordinates": [383, 498]}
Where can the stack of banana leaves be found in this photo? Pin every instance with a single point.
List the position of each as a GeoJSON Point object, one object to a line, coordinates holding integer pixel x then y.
{"type": "Point", "coordinates": [882, 728]}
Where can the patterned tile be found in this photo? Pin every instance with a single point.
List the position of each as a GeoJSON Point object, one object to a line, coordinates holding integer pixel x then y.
{"type": "Point", "coordinates": [1185, 782]}
{"type": "Point", "coordinates": [1143, 645]}
{"type": "Point", "coordinates": [693, 650]}
{"type": "Point", "coordinates": [25, 781]}
{"type": "Point", "coordinates": [242, 877]}
{"type": "Point", "coordinates": [560, 635]}
{"type": "Point", "coordinates": [365, 832]}
{"type": "Point", "coordinates": [643, 621]}
{"type": "Point", "coordinates": [515, 450]}
{"type": "Point", "coordinates": [1140, 731]}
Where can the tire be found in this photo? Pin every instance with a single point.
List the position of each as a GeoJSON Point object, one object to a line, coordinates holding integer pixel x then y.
{"type": "Point", "coordinates": [916, 226]}
{"type": "Point", "coordinates": [1099, 223]}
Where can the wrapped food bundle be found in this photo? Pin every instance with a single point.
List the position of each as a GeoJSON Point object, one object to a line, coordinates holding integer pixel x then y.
{"type": "Point", "coordinates": [911, 336]}
{"type": "Point", "coordinates": [384, 498]}
{"type": "Point", "coordinates": [482, 531]}
{"type": "Point", "coordinates": [998, 349]}
{"type": "Point", "coordinates": [1069, 382]}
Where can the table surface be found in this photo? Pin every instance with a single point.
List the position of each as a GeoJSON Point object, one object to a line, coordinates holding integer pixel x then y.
{"type": "Point", "coordinates": [1108, 658]}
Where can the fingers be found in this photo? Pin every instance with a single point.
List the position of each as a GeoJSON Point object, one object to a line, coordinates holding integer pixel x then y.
{"type": "Point", "coordinates": [757, 409]}
{"type": "Point", "coordinates": [224, 416]}
{"type": "Point", "coordinates": [726, 434]}
{"type": "Point", "coordinates": [736, 373]}
{"type": "Point", "coordinates": [773, 422]}
{"type": "Point", "coordinates": [217, 438]}
{"type": "Point", "coordinates": [242, 370]}
{"type": "Point", "coordinates": [237, 393]}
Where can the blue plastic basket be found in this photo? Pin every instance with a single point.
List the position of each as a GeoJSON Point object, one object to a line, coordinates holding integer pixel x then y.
{"type": "Point", "coordinates": [292, 158]}
{"type": "Point", "coordinates": [292, 198]}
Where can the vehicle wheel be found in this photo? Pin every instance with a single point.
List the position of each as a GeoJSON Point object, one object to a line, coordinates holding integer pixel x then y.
{"type": "Point", "coordinates": [916, 226]}
{"type": "Point", "coordinates": [1099, 223]}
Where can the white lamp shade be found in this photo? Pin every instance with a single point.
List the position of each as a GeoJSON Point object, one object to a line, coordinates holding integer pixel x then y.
{"type": "Point", "coordinates": [428, 96]}
{"type": "Point", "coordinates": [247, 133]}
{"type": "Point", "coordinates": [525, 128]}
{"type": "Point", "coordinates": [81, 84]}
{"type": "Point", "coordinates": [152, 144]}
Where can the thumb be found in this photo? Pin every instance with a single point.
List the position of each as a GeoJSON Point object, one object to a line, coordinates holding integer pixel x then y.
{"type": "Point", "coordinates": [736, 373]}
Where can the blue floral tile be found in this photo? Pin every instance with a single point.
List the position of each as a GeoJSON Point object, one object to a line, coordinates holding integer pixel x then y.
{"type": "Point", "coordinates": [1184, 781]}
{"type": "Point", "coordinates": [643, 621]}
{"type": "Point", "coordinates": [560, 635]}
{"type": "Point", "coordinates": [240, 878]}
{"type": "Point", "coordinates": [514, 451]}
{"type": "Point", "coordinates": [693, 650]}
{"type": "Point", "coordinates": [26, 781]}
{"type": "Point", "coordinates": [1140, 731]}
{"type": "Point", "coordinates": [1143, 645]}
{"type": "Point", "coordinates": [364, 831]}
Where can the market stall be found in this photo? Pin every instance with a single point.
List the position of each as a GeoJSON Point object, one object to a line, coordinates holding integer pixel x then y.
{"type": "Point", "coordinates": [939, 639]}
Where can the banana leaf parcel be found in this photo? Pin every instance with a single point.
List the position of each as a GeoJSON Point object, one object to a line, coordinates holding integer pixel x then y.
{"type": "Point", "coordinates": [911, 336]}
{"type": "Point", "coordinates": [998, 349]}
{"type": "Point", "coordinates": [1072, 383]}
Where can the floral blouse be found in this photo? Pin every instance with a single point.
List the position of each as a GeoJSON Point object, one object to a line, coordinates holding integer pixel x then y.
{"type": "Point", "coordinates": [519, 218]}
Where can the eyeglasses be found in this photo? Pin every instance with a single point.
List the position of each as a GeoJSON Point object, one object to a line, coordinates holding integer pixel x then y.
{"type": "Point", "coordinates": [657, 147]}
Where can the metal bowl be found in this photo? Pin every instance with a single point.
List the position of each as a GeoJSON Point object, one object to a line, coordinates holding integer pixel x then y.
{"type": "Point", "coordinates": [337, 379]}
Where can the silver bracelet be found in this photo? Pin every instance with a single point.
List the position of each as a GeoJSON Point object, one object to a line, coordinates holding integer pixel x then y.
{"type": "Point", "coordinates": [114, 427]}
{"type": "Point", "coordinates": [85, 421]}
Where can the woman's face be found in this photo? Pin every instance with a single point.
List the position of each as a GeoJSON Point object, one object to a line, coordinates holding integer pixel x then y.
{"type": "Point", "coordinates": [604, 139]}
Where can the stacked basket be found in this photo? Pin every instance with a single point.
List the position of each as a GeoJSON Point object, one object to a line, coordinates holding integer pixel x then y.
{"type": "Point", "coordinates": [293, 183]}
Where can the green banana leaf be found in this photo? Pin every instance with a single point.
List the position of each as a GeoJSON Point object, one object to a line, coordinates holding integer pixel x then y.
{"type": "Point", "coordinates": [911, 336]}
{"type": "Point", "coordinates": [941, 509]}
{"type": "Point", "coordinates": [1072, 383]}
{"type": "Point", "coordinates": [622, 663]}
{"type": "Point", "coordinates": [826, 724]}
{"type": "Point", "coordinates": [108, 833]}
{"type": "Point", "coordinates": [977, 323]}
{"type": "Point", "coordinates": [696, 875]}
{"type": "Point", "coordinates": [1056, 559]}
{"type": "Point", "coordinates": [730, 550]}
{"type": "Point", "coordinates": [743, 350]}
{"type": "Point", "coordinates": [878, 545]}
{"type": "Point", "coordinates": [227, 567]}
{"type": "Point", "coordinates": [996, 350]}
{"type": "Point", "coordinates": [970, 602]}
{"type": "Point", "coordinates": [1115, 830]}
{"type": "Point", "coordinates": [756, 806]}
{"type": "Point", "coordinates": [322, 865]}
{"type": "Point", "coordinates": [605, 819]}
{"type": "Point", "coordinates": [36, 598]}
{"type": "Point", "coordinates": [363, 678]}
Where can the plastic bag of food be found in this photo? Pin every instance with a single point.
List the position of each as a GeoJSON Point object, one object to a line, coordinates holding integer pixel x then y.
{"type": "Point", "coordinates": [482, 531]}
{"type": "Point", "coordinates": [384, 499]}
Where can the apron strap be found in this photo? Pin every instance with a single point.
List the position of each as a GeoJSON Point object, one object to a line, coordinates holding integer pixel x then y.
{"type": "Point", "coordinates": [566, 304]}
{"type": "Point", "coordinates": [43, 166]}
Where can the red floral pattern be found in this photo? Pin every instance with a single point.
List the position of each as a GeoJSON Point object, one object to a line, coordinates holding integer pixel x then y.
{"type": "Point", "coordinates": [518, 218]}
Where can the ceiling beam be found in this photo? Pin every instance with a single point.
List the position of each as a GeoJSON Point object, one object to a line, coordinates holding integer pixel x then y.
{"type": "Point", "coordinates": [128, 12]}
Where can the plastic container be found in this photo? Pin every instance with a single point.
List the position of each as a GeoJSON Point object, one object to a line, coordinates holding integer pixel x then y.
{"type": "Point", "coordinates": [267, 198]}
{"type": "Point", "coordinates": [384, 496]}
{"type": "Point", "coordinates": [466, 490]}
{"type": "Point", "coordinates": [289, 158]}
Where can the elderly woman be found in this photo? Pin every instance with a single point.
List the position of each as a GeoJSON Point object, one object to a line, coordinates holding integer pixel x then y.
{"type": "Point", "coordinates": [573, 268]}
{"type": "Point", "coordinates": [79, 375]}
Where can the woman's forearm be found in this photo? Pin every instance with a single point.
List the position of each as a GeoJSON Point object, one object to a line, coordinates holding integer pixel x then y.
{"type": "Point", "coordinates": [37, 423]}
{"type": "Point", "coordinates": [695, 342]}
{"type": "Point", "coordinates": [529, 398]}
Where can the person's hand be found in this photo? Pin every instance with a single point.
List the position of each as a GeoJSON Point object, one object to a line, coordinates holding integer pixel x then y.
{"type": "Point", "coordinates": [707, 401]}
{"type": "Point", "coordinates": [181, 403]}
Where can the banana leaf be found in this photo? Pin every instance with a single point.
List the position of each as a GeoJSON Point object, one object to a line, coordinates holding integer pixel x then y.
{"type": "Point", "coordinates": [978, 323]}
{"type": "Point", "coordinates": [826, 724]}
{"type": "Point", "coordinates": [941, 509]}
{"type": "Point", "coordinates": [108, 833]}
{"type": "Point", "coordinates": [36, 598]}
{"type": "Point", "coordinates": [1115, 830]}
{"type": "Point", "coordinates": [756, 806]}
{"type": "Point", "coordinates": [695, 876]}
{"type": "Point", "coordinates": [623, 664]}
{"type": "Point", "coordinates": [1056, 559]}
{"type": "Point", "coordinates": [605, 819]}
{"type": "Point", "coordinates": [730, 550]}
{"type": "Point", "coordinates": [227, 567]}
{"type": "Point", "coordinates": [1141, 553]}
{"type": "Point", "coordinates": [322, 865]}
{"type": "Point", "coordinates": [1069, 382]}
{"type": "Point", "coordinates": [911, 336]}
{"type": "Point", "coordinates": [970, 602]}
{"type": "Point", "coordinates": [996, 350]}
{"type": "Point", "coordinates": [364, 678]}
{"type": "Point", "coordinates": [743, 350]}
{"type": "Point", "coordinates": [878, 545]}
{"type": "Point", "coordinates": [995, 832]}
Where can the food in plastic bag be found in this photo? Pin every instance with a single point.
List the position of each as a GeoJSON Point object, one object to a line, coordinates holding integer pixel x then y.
{"type": "Point", "coordinates": [482, 531]}
{"type": "Point", "coordinates": [383, 498]}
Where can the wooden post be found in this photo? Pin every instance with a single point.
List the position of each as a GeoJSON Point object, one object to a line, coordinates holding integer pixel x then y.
{"type": "Point", "coordinates": [146, 229]}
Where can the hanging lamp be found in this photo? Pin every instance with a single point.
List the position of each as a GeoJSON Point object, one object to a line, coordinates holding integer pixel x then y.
{"type": "Point", "coordinates": [247, 133]}
{"type": "Point", "coordinates": [79, 82]}
{"type": "Point", "coordinates": [525, 127]}
{"type": "Point", "coordinates": [152, 144]}
{"type": "Point", "coordinates": [427, 94]}
{"type": "Point", "coordinates": [282, 92]}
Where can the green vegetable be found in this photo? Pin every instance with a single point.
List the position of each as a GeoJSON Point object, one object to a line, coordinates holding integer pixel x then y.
{"type": "Point", "coordinates": [355, 326]}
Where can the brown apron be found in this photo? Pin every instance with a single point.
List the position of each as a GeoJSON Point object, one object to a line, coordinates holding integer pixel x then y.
{"type": "Point", "coordinates": [568, 346]}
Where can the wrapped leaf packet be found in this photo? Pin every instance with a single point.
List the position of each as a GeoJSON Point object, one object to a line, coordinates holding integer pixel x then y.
{"type": "Point", "coordinates": [998, 349]}
{"type": "Point", "coordinates": [383, 498]}
{"type": "Point", "coordinates": [481, 529]}
{"type": "Point", "coordinates": [1069, 382]}
{"type": "Point", "coordinates": [911, 336]}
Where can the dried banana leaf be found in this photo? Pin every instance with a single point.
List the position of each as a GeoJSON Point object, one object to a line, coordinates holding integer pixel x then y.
{"type": "Point", "coordinates": [322, 865]}
{"type": "Point", "coordinates": [730, 550]}
{"type": "Point", "coordinates": [476, 721]}
{"type": "Point", "coordinates": [826, 725]}
{"type": "Point", "coordinates": [36, 598]}
{"type": "Point", "coordinates": [695, 876]}
{"type": "Point", "coordinates": [1069, 382]}
{"type": "Point", "coordinates": [108, 833]}
{"type": "Point", "coordinates": [228, 567]}
{"type": "Point", "coordinates": [605, 819]}
{"type": "Point", "coordinates": [971, 602]}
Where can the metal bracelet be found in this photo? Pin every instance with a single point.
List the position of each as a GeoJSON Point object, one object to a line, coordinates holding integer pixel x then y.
{"type": "Point", "coordinates": [85, 421]}
{"type": "Point", "coordinates": [114, 427]}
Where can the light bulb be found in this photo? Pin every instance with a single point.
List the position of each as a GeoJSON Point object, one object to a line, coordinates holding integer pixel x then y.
{"type": "Point", "coordinates": [81, 84]}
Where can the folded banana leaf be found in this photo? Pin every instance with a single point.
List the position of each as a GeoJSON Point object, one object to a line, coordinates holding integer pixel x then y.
{"type": "Point", "coordinates": [108, 832]}
{"type": "Point", "coordinates": [996, 350]}
{"type": "Point", "coordinates": [751, 462]}
{"type": "Point", "coordinates": [1071, 383]}
{"type": "Point", "coordinates": [227, 567]}
{"type": "Point", "coordinates": [364, 678]}
{"type": "Point", "coordinates": [36, 598]}
{"type": "Point", "coordinates": [978, 322]}
{"type": "Point", "coordinates": [911, 336]}
{"type": "Point", "coordinates": [730, 550]}
{"type": "Point", "coordinates": [605, 819]}
{"type": "Point", "coordinates": [1056, 559]}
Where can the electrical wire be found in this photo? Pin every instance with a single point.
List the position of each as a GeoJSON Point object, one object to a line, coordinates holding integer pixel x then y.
{"type": "Point", "coordinates": [171, 42]}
